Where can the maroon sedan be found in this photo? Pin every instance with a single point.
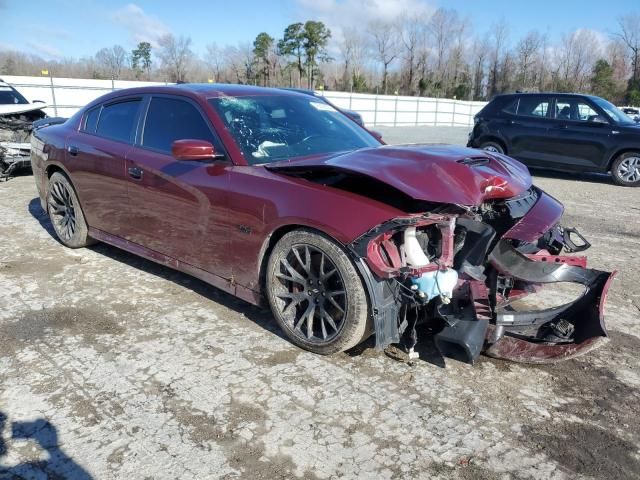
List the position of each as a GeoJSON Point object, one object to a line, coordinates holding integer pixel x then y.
{"type": "Point", "coordinates": [277, 197]}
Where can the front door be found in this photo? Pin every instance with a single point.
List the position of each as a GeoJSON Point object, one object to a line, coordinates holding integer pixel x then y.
{"type": "Point", "coordinates": [579, 135]}
{"type": "Point", "coordinates": [178, 208]}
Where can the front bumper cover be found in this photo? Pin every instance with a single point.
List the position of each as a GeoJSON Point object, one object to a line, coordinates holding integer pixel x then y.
{"type": "Point", "coordinates": [519, 336]}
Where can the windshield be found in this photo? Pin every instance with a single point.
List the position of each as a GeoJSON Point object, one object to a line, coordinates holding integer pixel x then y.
{"type": "Point", "coordinates": [268, 128]}
{"type": "Point", "coordinates": [613, 112]}
{"type": "Point", "coordinates": [8, 96]}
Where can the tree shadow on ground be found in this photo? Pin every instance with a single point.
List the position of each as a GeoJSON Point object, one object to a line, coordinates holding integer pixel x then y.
{"type": "Point", "coordinates": [45, 435]}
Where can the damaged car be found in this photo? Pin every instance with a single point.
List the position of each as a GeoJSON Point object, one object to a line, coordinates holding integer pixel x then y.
{"type": "Point", "coordinates": [16, 118]}
{"type": "Point", "coordinates": [279, 199]}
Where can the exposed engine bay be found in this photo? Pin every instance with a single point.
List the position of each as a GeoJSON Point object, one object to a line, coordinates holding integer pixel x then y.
{"type": "Point", "coordinates": [460, 273]}
{"type": "Point", "coordinates": [476, 238]}
{"type": "Point", "coordinates": [15, 130]}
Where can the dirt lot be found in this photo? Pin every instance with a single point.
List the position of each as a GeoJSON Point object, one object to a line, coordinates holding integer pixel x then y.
{"type": "Point", "coordinates": [114, 367]}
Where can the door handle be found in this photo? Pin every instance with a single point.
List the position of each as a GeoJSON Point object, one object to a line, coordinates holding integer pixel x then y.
{"type": "Point", "coordinates": [135, 172]}
{"type": "Point", "coordinates": [561, 126]}
{"type": "Point", "coordinates": [73, 150]}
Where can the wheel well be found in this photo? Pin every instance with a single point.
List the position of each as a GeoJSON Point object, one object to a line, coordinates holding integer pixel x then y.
{"type": "Point", "coordinates": [280, 232]}
{"type": "Point", "coordinates": [51, 169]}
{"type": "Point", "coordinates": [618, 153]}
{"type": "Point", "coordinates": [489, 138]}
{"type": "Point", "coordinates": [267, 248]}
{"type": "Point", "coordinates": [274, 237]}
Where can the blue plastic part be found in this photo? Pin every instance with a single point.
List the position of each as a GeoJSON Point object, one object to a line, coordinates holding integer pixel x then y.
{"type": "Point", "coordinates": [436, 283]}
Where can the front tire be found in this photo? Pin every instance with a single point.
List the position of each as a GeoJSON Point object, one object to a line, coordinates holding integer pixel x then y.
{"type": "Point", "coordinates": [65, 213]}
{"type": "Point", "coordinates": [625, 170]}
{"type": "Point", "coordinates": [315, 293]}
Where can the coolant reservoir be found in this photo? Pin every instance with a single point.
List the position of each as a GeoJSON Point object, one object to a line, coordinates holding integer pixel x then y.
{"type": "Point", "coordinates": [413, 252]}
{"type": "Point", "coordinates": [437, 283]}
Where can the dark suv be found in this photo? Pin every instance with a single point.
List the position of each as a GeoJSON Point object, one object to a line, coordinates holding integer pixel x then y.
{"type": "Point", "coordinates": [559, 131]}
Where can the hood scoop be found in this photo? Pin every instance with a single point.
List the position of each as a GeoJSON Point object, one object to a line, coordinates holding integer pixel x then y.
{"type": "Point", "coordinates": [474, 161]}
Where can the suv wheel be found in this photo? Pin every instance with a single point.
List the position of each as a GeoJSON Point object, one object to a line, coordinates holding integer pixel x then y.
{"type": "Point", "coordinates": [492, 147]}
{"type": "Point", "coordinates": [626, 169]}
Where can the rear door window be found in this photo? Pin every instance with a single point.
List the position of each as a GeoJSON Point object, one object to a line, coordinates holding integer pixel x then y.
{"type": "Point", "coordinates": [91, 120]}
{"type": "Point", "coordinates": [118, 120]}
{"type": "Point", "coordinates": [534, 106]}
{"type": "Point", "coordinates": [170, 119]}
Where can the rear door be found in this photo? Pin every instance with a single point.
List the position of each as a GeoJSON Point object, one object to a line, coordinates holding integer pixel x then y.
{"type": "Point", "coordinates": [96, 158]}
{"type": "Point", "coordinates": [527, 128]}
{"type": "Point", "coordinates": [178, 208]}
{"type": "Point", "coordinates": [580, 135]}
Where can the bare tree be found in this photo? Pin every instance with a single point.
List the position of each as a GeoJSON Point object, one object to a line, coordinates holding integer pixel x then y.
{"type": "Point", "coordinates": [415, 53]}
{"type": "Point", "coordinates": [175, 55]}
{"type": "Point", "coordinates": [527, 51]}
{"type": "Point", "coordinates": [112, 60]}
{"type": "Point", "coordinates": [412, 34]}
{"type": "Point", "coordinates": [499, 36]}
{"type": "Point", "coordinates": [385, 46]}
{"type": "Point", "coordinates": [442, 26]}
{"type": "Point", "coordinates": [629, 33]}
{"type": "Point", "coordinates": [479, 55]}
{"type": "Point", "coordinates": [576, 56]}
{"type": "Point", "coordinates": [616, 56]}
{"type": "Point", "coordinates": [353, 50]}
{"type": "Point", "coordinates": [214, 59]}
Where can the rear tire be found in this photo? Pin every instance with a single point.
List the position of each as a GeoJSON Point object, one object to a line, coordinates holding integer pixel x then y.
{"type": "Point", "coordinates": [65, 213]}
{"type": "Point", "coordinates": [493, 147]}
{"type": "Point", "coordinates": [625, 169]}
{"type": "Point", "coordinates": [315, 293]}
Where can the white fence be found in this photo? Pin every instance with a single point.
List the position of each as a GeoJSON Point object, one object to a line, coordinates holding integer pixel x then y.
{"type": "Point", "coordinates": [66, 95]}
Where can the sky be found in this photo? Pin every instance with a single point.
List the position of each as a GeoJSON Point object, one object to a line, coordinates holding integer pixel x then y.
{"type": "Point", "coordinates": [56, 29]}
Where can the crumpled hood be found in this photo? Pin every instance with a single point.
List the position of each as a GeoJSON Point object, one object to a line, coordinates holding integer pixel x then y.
{"type": "Point", "coordinates": [434, 173]}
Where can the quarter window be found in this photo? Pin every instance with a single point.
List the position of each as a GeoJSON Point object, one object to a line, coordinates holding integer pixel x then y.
{"type": "Point", "coordinates": [531, 106]}
{"type": "Point", "coordinates": [170, 119]}
{"type": "Point", "coordinates": [91, 120]}
{"type": "Point", "coordinates": [512, 106]}
{"type": "Point", "coordinates": [117, 121]}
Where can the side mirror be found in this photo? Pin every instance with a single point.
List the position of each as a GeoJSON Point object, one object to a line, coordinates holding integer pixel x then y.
{"type": "Point", "coordinates": [189, 149]}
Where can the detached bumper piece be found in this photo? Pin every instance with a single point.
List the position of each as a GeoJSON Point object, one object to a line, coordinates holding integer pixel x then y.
{"type": "Point", "coordinates": [551, 334]}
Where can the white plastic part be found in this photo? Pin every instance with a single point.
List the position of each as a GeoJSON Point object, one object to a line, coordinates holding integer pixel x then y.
{"type": "Point", "coordinates": [413, 252]}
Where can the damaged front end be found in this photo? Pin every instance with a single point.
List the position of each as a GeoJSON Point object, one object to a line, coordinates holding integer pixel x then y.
{"type": "Point", "coordinates": [461, 270]}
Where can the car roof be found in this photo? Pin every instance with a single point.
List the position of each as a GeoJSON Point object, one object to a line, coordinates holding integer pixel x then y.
{"type": "Point", "coordinates": [204, 91]}
{"type": "Point", "coordinates": [209, 90]}
{"type": "Point", "coordinates": [555, 94]}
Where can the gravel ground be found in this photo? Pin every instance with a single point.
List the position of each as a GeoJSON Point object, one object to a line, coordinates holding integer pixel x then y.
{"type": "Point", "coordinates": [452, 135]}
{"type": "Point", "coordinates": [114, 367]}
